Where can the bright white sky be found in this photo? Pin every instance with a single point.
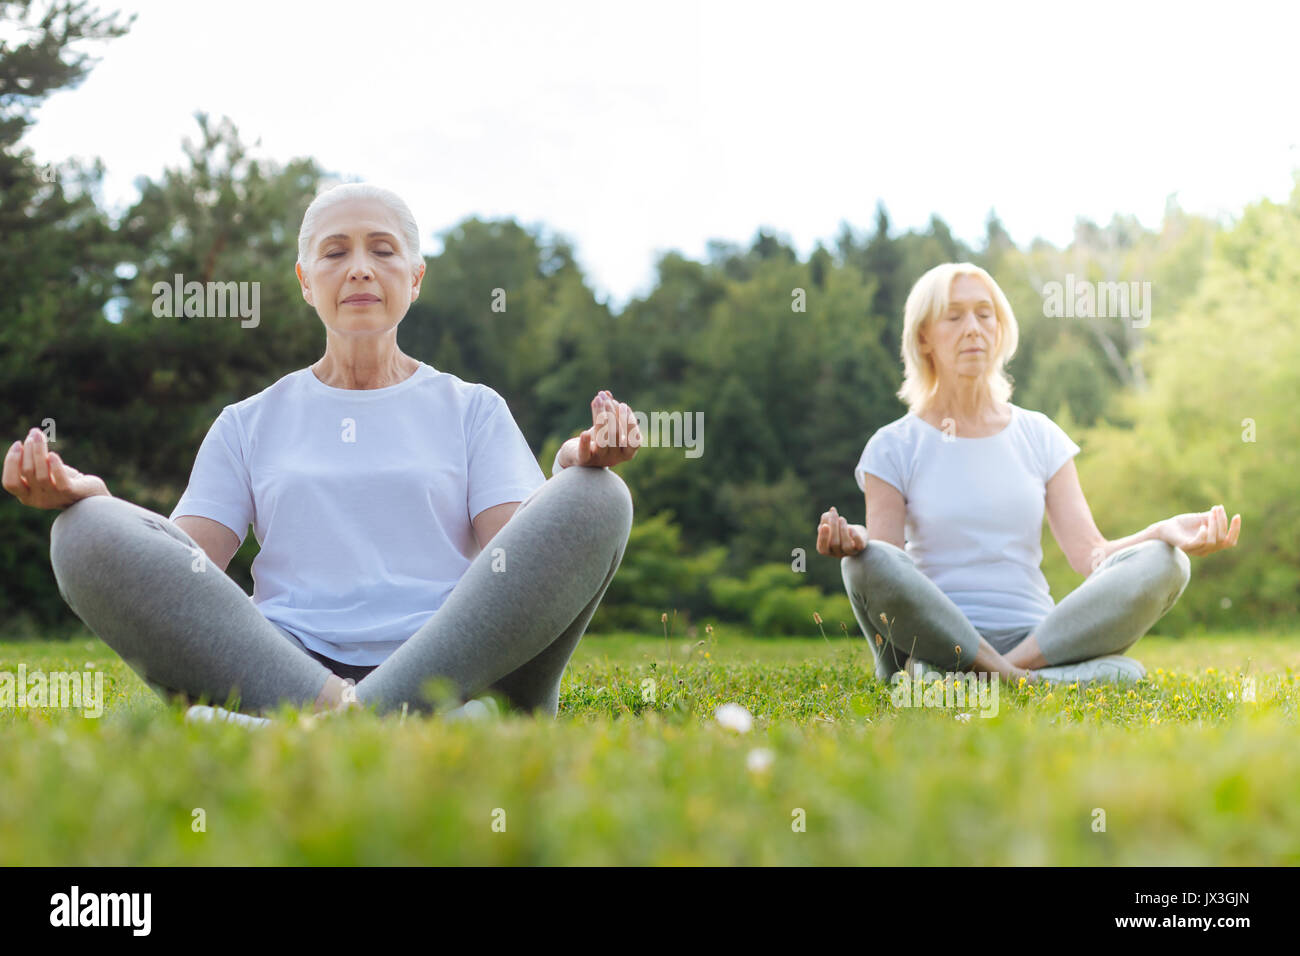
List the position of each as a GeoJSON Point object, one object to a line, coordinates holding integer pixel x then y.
{"type": "Point", "coordinates": [638, 129]}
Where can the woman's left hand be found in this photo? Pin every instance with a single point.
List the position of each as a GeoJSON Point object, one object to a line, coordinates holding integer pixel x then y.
{"type": "Point", "coordinates": [1201, 532]}
{"type": "Point", "coordinates": [614, 435]}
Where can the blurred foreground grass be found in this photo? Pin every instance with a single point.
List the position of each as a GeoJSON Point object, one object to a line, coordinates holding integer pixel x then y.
{"type": "Point", "coordinates": [1185, 770]}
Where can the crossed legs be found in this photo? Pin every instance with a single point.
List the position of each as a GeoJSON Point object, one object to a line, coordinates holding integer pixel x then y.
{"type": "Point", "coordinates": [498, 629]}
{"type": "Point", "coordinates": [148, 591]}
{"type": "Point", "coordinates": [1116, 605]}
{"type": "Point", "coordinates": [1119, 602]}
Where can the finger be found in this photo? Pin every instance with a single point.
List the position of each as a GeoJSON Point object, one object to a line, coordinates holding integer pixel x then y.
{"type": "Point", "coordinates": [1223, 522]}
{"type": "Point", "coordinates": [1200, 544]}
{"type": "Point", "coordinates": [1212, 524]}
{"type": "Point", "coordinates": [634, 427]}
{"type": "Point", "coordinates": [1234, 531]}
{"type": "Point", "coordinates": [823, 538]}
{"type": "Point", "coordinates": [846, 533]}
{"type": "Point", "coordinates": [847, 541]}
{"type": "Point", "coordinates": [13, 461]}
{"type": "Point", "coordinates": [609, 424]}
{"type": "Point", "coordinates": [41, 454]}
{"type": "Point", "coordinates": [858, 542]}
{"type": "Point", "coordinates": [620, 425]}
{"type": "Point", "coordinates": [629, 421]}
{"type": "Point", "coordinates": [28, 469]}
{"type": "Point", "coordinates": [835, 533]}
{"type": "Point", "coordinates": [67, 475]}
{"type": "Point", "coordinates": [584, 447]}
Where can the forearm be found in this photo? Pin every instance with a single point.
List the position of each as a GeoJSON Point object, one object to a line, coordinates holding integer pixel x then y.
{"type": "Point", "coordinates": [92, 494]}
{"type": "Point", "coordinates": [1106, 548]}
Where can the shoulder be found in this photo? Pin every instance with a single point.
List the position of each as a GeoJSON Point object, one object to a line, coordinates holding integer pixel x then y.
{"type": "Point", "coordinates": [889, 454]}
{"type": "Point", "coordinates": [286, 388]}
{"type": "Point", "coordinates": [901, 432]}
{"type": "Point", "coordinates": [479, 397]}
{"type": "Point", "coordinates": [476, 402]}
{"type": "Point", "coordinates": [1037, 423]}
{"type": "Point", "coordinates": [1045, 443]}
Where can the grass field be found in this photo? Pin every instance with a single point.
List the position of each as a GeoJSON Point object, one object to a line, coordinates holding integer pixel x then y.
{"type": "Point", "coordinates": [832, 772]}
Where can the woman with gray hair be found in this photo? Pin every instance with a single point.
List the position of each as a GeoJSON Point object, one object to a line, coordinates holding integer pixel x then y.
{"type": "Point", "coordinates": [945, 574]}
{"type": "Point", "coordinates": [407, 533]}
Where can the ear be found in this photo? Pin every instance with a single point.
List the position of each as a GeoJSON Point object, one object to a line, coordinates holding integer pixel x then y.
{"type": "Point", "coordinates": [306, 290]}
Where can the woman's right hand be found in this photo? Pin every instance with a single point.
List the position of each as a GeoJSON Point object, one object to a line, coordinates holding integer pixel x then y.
{"type": "Point", "coordinates": [38, 477]}
{"type": "Point", "coordinates": [837, 538]}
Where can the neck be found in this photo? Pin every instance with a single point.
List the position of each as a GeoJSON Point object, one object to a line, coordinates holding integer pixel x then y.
{"type": "Point", "coordinates": [967, 400]}
{"type": "Point", "coordinates": [364, 365]}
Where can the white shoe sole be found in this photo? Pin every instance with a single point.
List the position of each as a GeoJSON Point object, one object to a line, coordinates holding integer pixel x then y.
{"type": "Point", "coordinates": [478, 709]}
{"type": "Point", "coordinates": [201, 713]}
{"type": "Point", "coordinates": [1114, 668]}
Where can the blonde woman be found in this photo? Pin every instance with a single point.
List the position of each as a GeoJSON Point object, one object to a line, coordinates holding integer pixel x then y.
{"type": "Point", "coordinates": [946, 570]}
{"type": "Point", "coordinates": [406, 530]}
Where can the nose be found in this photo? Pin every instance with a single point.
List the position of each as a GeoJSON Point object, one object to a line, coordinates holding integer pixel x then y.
{"type": "Point", "coordinates": [360, 268]}
{"type": "Point", "coordinates": [970, 335]}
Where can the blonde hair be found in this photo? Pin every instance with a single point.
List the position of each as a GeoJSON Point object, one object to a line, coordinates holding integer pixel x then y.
{"type": "Point", "coordinates": [343, 192]}
{"type": "Point", "coordinates": [928, 300]}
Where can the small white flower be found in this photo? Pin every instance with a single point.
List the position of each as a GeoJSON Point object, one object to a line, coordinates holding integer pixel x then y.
{"type": "Point", "coordinates": [1229, 695]}
{"type": "Point", "coordinates": [759, 760]}
{"type": "Point", "coordinates": [734, 717]}
{"type": "Point", "coordinates": [964, 718]}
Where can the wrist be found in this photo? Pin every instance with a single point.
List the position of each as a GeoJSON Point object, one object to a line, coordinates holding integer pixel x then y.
{"type": "Point", "coordinates": [566, 457]}
{"type": "Point", "coordinates": [96, 492]}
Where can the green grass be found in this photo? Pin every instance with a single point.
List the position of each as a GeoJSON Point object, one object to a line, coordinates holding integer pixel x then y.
{"type": "Point", "coordinates": [1185, 774]}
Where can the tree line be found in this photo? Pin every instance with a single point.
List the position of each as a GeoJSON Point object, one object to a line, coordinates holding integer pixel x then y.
{"type": "Point", "coordinates": [792, 361]}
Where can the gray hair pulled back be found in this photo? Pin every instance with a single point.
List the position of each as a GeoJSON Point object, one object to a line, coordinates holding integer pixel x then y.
{"type": "Point", "coordinates": [343, 192]}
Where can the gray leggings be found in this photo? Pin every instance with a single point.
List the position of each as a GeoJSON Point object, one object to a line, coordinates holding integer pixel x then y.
{"type": "Point", "coordinates": [1106, 614]}
{"type": "Point", "coordinates": [127, 573]}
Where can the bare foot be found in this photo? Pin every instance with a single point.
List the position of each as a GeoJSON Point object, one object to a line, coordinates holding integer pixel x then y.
{"type": "Point", "coordinates": [337, 695]}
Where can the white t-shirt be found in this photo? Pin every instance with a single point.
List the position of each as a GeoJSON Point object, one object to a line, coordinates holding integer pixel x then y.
{"type": "Point", "coordinates": [361, 499]}
{"type": "Point", "coordinates": [975, 509]}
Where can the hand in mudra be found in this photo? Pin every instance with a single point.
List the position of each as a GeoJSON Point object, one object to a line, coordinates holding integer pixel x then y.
{"type": "Point", "coordinates": [1201, 532]}
{"type": "Point", "coordinates": [614, 435]}
{"type": "Point", "coordinates": [38, 477]}
{"type": "Point", "coordinates": [837, 538]}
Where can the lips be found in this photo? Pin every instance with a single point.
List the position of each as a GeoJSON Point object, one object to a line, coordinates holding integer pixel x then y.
{"type": "Point", "coordinates": [361, 299]}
